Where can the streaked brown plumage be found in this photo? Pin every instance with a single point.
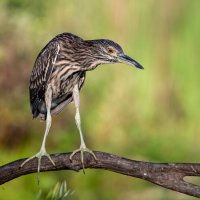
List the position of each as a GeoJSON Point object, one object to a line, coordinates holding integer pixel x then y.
{"type": "Point", "coordinates": [59, 73]}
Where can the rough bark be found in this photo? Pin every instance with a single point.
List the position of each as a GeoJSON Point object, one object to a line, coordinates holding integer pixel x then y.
{"type": "Point", "coordinates": [168, 175]}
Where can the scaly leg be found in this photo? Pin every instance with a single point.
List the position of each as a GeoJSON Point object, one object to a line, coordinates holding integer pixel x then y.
{"type": "Point", "coordinates": [42, 152]}
{"type": "Point", "coordinates": [83, 147]}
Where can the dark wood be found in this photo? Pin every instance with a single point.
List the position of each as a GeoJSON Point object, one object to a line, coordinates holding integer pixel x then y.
{"type": "Point", "coordinates": [168, 175]}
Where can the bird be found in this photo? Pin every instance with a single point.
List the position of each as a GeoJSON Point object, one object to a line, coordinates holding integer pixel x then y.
{"type": "Point", "coordinates": [58, 75]}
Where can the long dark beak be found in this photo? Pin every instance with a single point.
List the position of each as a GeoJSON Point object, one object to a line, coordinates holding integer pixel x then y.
{"type": "Point", "coordinates": [128, 60]}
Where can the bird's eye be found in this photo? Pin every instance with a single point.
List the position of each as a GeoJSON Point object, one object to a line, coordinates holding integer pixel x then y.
{"type": "Point", "coordinates": [110, 50]}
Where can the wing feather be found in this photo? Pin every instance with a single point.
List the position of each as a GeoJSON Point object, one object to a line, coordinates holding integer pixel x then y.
{"type": "Point", "coordinates": [41, 73]}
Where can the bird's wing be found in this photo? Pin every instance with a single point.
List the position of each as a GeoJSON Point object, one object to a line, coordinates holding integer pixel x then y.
{"type": "Point", "coordinates": [41, 72]}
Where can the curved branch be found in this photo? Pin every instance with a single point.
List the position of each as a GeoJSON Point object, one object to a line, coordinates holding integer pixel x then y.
{"type": "Point", "coordinates": [168, 175]}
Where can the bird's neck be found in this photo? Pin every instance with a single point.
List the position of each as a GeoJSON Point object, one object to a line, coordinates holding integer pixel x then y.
{"type": "Point", "coordinates": [93, 65]}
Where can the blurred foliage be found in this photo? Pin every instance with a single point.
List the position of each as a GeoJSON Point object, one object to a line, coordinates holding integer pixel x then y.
{"type": "Point", "coordinates": [59, 192]}
{"type": "Point", "coordinates": [148, 115]}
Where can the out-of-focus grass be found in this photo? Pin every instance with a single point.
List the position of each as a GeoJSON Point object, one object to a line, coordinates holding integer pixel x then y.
{"type": "Point", "coordinates": [59, 192]}
{"type": "Point", "coordinates": [149, 115]}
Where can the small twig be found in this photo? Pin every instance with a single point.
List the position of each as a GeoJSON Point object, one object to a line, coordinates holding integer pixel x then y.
{"type": "Point", "coordinates": [168, 175]}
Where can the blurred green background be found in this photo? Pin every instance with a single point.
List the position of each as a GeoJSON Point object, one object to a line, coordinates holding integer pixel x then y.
{"type": "Point", "coordinates": [150, 115]}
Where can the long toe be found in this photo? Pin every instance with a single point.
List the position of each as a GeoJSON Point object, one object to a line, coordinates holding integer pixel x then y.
{"type": "Point", "coordinates": [90, 152]}
{"type": "Point", "coordinates": [27, 160]}
{"type": "Point", "coordinates": [49, 157]}
{"type": "Point", "coordinates": [73, 153]}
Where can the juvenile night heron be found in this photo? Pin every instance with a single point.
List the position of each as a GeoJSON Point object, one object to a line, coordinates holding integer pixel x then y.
{"type": "Point", "coordinates": [59, 74]}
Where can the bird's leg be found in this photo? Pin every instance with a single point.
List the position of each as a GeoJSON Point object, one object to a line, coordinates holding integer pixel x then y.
{"type": "Point", "coordinates": [83, 147]}
{"type": "Point", "coordinates": [42, 152]}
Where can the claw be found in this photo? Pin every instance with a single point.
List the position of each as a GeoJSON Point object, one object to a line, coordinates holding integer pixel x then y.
{"type": "Point", "coordinates": [39, 155]}
{"type": "Point", "coordinates": [82, 150]}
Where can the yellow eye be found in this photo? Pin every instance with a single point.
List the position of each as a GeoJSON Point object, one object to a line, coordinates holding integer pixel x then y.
{"type": "Point", "coordinates": [111, 51]}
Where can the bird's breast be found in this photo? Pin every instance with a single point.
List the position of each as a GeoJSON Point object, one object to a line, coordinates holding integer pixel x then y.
{"type": "Point", "coordinates": [64, 79]}
{"type": "Point", "coordinates": [63, 88]}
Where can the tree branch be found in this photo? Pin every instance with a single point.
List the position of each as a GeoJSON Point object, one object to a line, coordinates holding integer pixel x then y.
{"type": "Point", "coordinates": [168, 175]}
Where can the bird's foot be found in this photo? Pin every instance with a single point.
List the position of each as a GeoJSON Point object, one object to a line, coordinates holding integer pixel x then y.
{"type": "Point", "coordinates": [82, 149]}
{"type": "Point", "coordinates": [39, 155]}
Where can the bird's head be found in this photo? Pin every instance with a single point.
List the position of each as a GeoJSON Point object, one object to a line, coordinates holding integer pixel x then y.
{"type": "Point", "coordinates": [107, 51]}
